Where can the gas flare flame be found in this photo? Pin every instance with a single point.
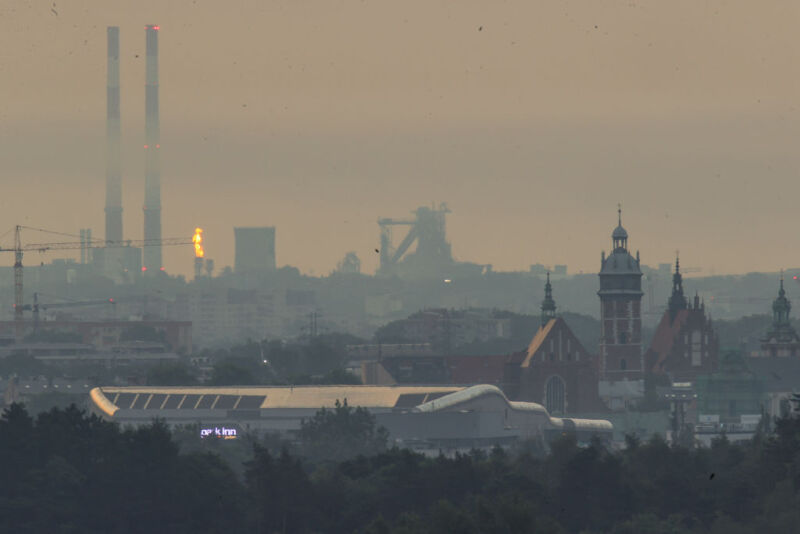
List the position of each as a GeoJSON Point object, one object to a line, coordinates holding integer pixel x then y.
{"type": "Point", "coordinates": [197, 239]}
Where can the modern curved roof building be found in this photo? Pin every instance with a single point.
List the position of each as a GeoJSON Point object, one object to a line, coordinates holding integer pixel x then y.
{"type": "Point", "coordinates": [416, 416]}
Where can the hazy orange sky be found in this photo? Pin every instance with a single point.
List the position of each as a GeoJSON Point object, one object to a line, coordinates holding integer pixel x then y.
{"type": "Point", "coordinates": [530, 119]}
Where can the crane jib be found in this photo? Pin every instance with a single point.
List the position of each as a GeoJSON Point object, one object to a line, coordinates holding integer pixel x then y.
{"type": "Point", "coordinates": [19, 248]}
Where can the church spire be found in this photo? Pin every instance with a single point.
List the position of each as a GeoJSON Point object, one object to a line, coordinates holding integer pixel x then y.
{"type": "Point", "coordinates": [781, 308]}
{"type": "Point", "coordinates": [677, 301]}
{"type": "Point", "coordinates": [781, 331]}
{"type": "Point", "coordinates": [548, 304]}
{"type": "Point", "coordinates": [619, 237]}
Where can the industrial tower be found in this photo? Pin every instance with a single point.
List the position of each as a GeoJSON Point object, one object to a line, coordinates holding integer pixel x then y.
{"type": "Point", "coordinates": [152, 186]}
{"type": "Point", "coordinates": [113, 142]}
{"type": "Point", "coordinates": [433, 253]}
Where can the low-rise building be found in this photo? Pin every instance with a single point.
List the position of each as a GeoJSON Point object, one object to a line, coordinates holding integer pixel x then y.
{"type": "Point", "coordinates": [421, 417]}
{"type": "Point", "coordinates": [780, 379]}
{"type": "Point", "coordinates": [22, 390]}
{"type": "Point", "coordinates": [105, 334]}
{"type": "Point", "coordinates": [732, 391]}
{"type": "Point", "coordinates": [67, 354]}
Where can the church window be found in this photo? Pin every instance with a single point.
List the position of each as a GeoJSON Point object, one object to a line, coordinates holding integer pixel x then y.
{"type": "Point", "coordinates": [622, 325]}
{"type": "Point", "coordinates": [623, 338]}
{"type": "Point", "coordinates": [552, 357]}
{"type": "Point", "coordinates": [555, 395]}
{"type": "Point", "coordinates": [697, 348]}
{"type": "Point", "coordinates": [623, 364]}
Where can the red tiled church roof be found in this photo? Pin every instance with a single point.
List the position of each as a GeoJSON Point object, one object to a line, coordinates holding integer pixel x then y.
{"type": "Point", "coordinates": [666, 333]}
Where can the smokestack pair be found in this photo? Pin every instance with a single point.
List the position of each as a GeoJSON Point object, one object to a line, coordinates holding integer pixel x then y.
{"type": "Point", "coordinates": [152, 188]}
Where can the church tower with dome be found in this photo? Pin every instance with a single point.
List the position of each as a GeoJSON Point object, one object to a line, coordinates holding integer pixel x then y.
{"type": "Point", "coordinates": [621, 362]}
{"type": "Point", "coordinates": [781, 340]}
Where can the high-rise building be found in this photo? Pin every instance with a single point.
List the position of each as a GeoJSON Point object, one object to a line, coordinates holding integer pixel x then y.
{"type": "Point", "coordinates": [255, 250]}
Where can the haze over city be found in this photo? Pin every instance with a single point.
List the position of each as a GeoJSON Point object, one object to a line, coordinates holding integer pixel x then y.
{"type": "Point", "coordinates": [532, 121]}
{"type": "Point", "coordinates": [393, 267]}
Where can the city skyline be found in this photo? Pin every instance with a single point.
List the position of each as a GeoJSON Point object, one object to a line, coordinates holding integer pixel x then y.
{"type": "Point", "coordinates": [531, 122]}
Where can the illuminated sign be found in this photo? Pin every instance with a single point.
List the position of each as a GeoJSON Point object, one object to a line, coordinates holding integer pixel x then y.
{"type": "Point", "coordinates": [219, 432]}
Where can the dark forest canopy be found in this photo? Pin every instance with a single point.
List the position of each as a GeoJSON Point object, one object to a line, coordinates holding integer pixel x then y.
{"type": "Point", "coordinates": [65, 471]}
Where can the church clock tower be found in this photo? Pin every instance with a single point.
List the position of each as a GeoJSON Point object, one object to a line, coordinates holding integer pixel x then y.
{"type": "Point", "coordinates": [621, 361]}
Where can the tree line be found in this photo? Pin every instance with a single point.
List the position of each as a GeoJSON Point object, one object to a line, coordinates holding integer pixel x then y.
{"type": "Point", "coordinates": [67, 471]}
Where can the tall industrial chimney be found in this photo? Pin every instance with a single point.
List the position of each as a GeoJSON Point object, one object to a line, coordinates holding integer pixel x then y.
{"type": "Point", "coordinates": [113, 163]}
{"type": "Point", "coordinates": [152, 146]}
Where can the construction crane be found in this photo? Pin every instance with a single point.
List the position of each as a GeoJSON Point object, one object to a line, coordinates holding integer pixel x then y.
{"type": "Point", "coordinates": [19, 249]}
{"type": "Point", "coordinates": [36, 306]}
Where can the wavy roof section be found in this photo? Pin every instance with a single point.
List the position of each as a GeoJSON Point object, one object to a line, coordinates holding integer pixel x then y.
{"type": "Point", "coordinates": [475, 392]}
